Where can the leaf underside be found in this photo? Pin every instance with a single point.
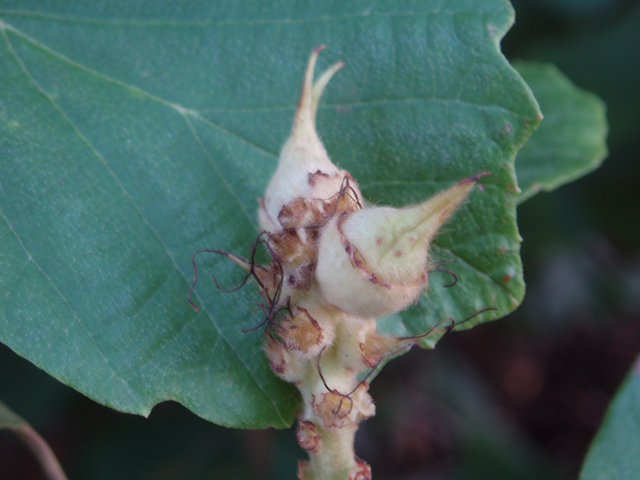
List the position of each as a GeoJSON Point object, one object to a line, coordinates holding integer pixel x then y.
{"type": "Point", "coordinates": [134, 134]}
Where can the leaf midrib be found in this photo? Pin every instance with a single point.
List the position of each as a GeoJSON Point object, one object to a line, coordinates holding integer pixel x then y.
{"type": "Point", "coordinates": [199, 113]}
{"type": "Point", "coordinates": [133, 394]}
{"type": "Point", "coordinates": [212, 23]}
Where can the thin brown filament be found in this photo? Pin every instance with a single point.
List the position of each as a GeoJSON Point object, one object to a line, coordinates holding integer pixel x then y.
{"type": "Point", "coordinates": [408, 346]}
{"type": "Point", "coordinates": [234, 289]}
{"type": "Point", "coordinates": [255, 327]}
{"type": "Point", "coordinates": [278, 291]}
{"type": "Point", "coordinates": [449, 328]}
{"type": "Point", "coordinates": [438, 268]}
{"type": "Point", "coordinates": [393, 353]}
{"type": "Point", "coordinates": [270, 314]}
{"type": "Point", "coordinates": [344, 186]}
{"type": "Point", "coordinates": [274, 306]}
{"type": "Point", "coordinates": [254, 248]}
{"type": "Point", "coordinates": [334, 391]}
{"type": "Point", "coordinates": [455, 277]}
{"type": "Point", "coordinates": [195, 274]}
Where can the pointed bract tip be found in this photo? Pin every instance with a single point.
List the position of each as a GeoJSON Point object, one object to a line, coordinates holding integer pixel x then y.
{"type": "Point", "coordinates": [474, 178]}
{"type": "Point", "coordinates": [321, 82]}
{"type": "Point", "coordinates": [308, 103]}
{"type": "Point", "coordinates": [387, 252]}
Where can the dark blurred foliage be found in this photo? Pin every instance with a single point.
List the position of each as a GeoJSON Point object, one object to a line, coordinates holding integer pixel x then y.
{"type": "Point", "coordinates": [520, 398]}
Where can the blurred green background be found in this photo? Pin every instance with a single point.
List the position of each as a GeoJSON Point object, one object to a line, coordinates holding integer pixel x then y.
{"type": "Point", "coordinates": [520, 398]}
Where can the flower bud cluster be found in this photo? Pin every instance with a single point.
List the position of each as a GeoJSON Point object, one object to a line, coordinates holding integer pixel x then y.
{"type": "Point", "coordinates": [336, 267]}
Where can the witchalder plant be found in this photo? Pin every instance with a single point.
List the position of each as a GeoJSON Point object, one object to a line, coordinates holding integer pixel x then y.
{"type": "Point", "coordinates": [337, 265]}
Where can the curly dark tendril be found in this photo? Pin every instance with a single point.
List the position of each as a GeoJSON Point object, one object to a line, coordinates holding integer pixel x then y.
{"type": "Point", "coordinates": [348, 397]}
{"type": "Point", "coordinates": [455, 277]}
{"type": "Point", "coordinates": [408, 346]}
{"type": "Point", "coordinates": [270, 316]}
{"type": "Point", "coordinates": [345, 186]}
{"type": "Point", "coordinates": [195, 275]}
{"type": "Point", "coordinates": [448, 328]}
{"type": "Point", "coordinates": [336, 392]}
{"type": "Point", "coordinates": [360, 383]}
{"type": "Point", "coordinates": [274, 306]}
{"type": "Point", "coordinates": [253, 267]}
{"type": "Point", "coordinates": [345, 189]}
{"type": "Point", "coordinates": [276, 296]}
{"type": "Point", "coordinates": [438, 268]}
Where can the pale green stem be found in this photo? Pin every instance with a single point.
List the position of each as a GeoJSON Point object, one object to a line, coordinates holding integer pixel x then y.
{"type": "Point", "coordinates": [336, 460]}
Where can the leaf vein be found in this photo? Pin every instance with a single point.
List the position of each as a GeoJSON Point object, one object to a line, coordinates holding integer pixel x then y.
{"type": "Point", "coordinates": [46, 276]}
{"type": "Point", "coordinates": [3, 27]}
{"type": "Point", "coordinates": [228, 22]}
{"type": "Point", "coordinates": [480, 272]}
{"type": "Point", "coordinates": [177, 107]}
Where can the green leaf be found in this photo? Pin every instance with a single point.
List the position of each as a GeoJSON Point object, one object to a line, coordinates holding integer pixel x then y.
{"type": "Point", "coordinates": [615, 452]}
{"type": "Point", "coordinates": [134, 134]}
{"type": "Point", "coordinates": [8, 419]}
{"type": "Point", "coordinates": [571, 140]}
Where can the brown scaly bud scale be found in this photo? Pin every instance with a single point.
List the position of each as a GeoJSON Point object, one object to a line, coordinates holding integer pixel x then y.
{"type": "Point", "coordinates": [336, 267]}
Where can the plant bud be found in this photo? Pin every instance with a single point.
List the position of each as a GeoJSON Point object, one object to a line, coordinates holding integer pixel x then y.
{"type": "Point", "coordinates": [335, 267]}
{"type": "Point", "coordinates": [307, 331]}
{"type": "Point", "coordinates": [336, 410]}
{"type": "Point", "coordinates": [305, 170]}
{"type": "Point", "coordinates": [308, 437]}
{"type": "Point", "coordinates": [285, 363]}
{"type": "Point", "coordinates": [373, 262]}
